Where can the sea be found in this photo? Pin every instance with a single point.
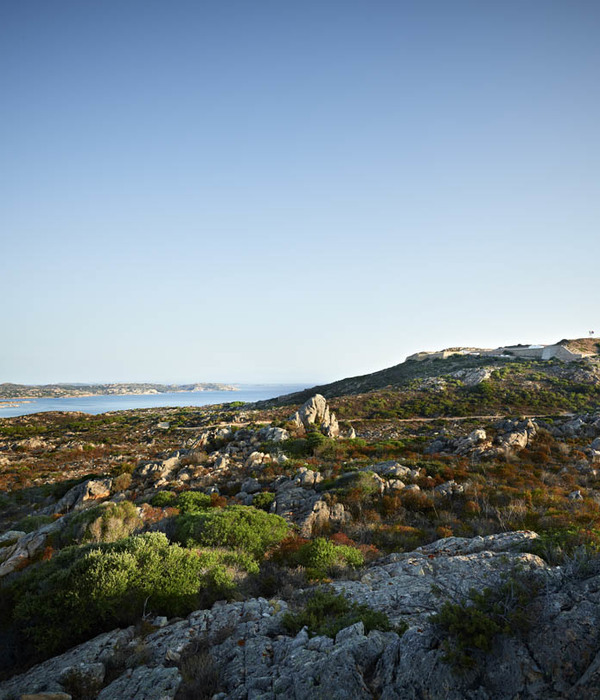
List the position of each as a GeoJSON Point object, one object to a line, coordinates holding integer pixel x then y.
{"type": "Point", "coordinates": [103, 404]}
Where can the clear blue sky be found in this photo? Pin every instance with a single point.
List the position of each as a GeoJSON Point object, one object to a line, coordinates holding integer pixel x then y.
{"type": "Point", "coordinates": [292, 191]}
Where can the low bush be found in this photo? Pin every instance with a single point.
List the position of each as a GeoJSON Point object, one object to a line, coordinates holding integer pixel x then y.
{"type": "Point", "coordinates": [295, 447]}
{"type": "Point", "coordinates": [401, 538]}
{"type": "Point", "coordinates": [321, 557]}
{"type": "Point", "coordinates": [193, 502]}
{"type": "Point", "coordinates": [103, 523]}
{"type": "Point", "coordinates": [315, 439]}
{"type": "Point", "coordinates": [559, 545]}
{"type": "Point", "coordinates": [263, 500]}
{"type": "Point", "coordinates": [163, 499]}
{"type": "Point", "coordinates": [80, 683]}
{"type": "Point", "coordinates": [274, 580]}
{"type": "Point", "coordinates": [33, 522]}
{"type": "Point", "coordinates": [199, 672]}
{"type": "Point", "coordinates": [326, 613]}
{"type": "Point", "coordinates": [222, 572]}
{"type": "Point", "coordinates": [240, 527]}
{"type": "Point", "coordinates": [363, 483]}
{"type": "Point", "coordinates": [470, 628]}
{"type": "Point", "coordinates": [188, 502]}
{"type": "Point", "coordinates": [286, 551]}
{"type": "Point", "coordinates": [121, 482]}
{"type": "Point", "coordinates": [124, 468]}
{"type": "Point", "coordinates": [83, 591]}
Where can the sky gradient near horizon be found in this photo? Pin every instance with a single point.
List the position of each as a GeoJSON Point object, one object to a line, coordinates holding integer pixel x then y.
{"type": "Point", "coordinates": [294, 192]}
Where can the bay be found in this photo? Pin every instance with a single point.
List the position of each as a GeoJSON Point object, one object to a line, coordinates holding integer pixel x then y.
{"type": "Point", "coordinates": [102, 404]}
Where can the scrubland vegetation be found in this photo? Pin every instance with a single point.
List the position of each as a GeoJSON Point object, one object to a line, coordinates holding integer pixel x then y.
{"type": "Point", "coordinates": [524, 387]}
{"type": "Point", "coordinates": [168, 545]}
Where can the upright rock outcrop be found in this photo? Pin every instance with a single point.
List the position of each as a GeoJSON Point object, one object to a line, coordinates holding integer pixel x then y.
{"type": "Point", "coordinates": [19, 553]}
{"type": "Point", "coordinates": [303, 506]}
{"type": "Point", "coordinates": [79, 496]}
{"type": "Point", "coordinates": [316, 412]}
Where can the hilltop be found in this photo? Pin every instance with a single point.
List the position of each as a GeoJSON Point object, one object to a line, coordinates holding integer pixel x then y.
{"type": "Point", "coordinates": [471, 381]}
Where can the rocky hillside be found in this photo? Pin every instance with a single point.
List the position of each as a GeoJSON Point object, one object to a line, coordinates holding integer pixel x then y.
{"type": "Point", "coordinates": [244, 552]}
{"type": "Point", "coordinates": [468, 384]}
{"type": "Point", "coordinates": [248, 649]}
{"type": "Point", "coordinates": [588, 346]}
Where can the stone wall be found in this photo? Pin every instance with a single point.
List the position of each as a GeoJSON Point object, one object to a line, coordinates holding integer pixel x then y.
{"type": "Point", "coordinates": [561, 353]}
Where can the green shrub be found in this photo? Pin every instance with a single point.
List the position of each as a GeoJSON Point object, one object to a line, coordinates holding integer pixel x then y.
{"type": "Point", "coordinates": [263, 500]}
{"type": "Point", "coordinates": [296, 447]}
{"type": "Point", "coordinates": [471, 627]}
{"type": "Point", "coordinates": [163, 499]}
{"type": "Point", "coordinates": [314, 438]}
{"type": "Point", "coordinates": [21, 431]}
{"type": "Point", "coordinates": [200, 678]}
{"type": "Point", "coordinates": [221, 572]}
{"type": "Point", "coordinates": [192, 502]}
{"type": "Point", "coordinates": [364, 483]}
{"type": "Point", "coordinates": [326, 613]}
{"type": "Point", "coordinates": [559, 545]}
{"type": "Point", "coordinates": [80, 684]}
{"type": "Point", "coordinates": [33, 522]}
{"type": "Point", "coordinates": [121, 482]}
{"type": "Point", "coordinates": [103, 523]}
{"type": "Point", "coordinates": [239, 527]}
{"type": "Point", "coordinates": [124, 468]}
{"type": "Point", "coordinates": [321, 557]}
{"type": "Point", "coordinates": [85, 590]}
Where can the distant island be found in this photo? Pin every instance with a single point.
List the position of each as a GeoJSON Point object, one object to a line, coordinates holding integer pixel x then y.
{"type": "Point", "coordinates": [62, 391]}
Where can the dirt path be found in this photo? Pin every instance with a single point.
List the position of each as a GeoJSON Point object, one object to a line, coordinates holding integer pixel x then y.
{"type": "Point", "coordinates": [460, 418]}
{"type": "Point", "coordinates": [225, 425]}
{"type": "Point", "coordinates": [394, 420]}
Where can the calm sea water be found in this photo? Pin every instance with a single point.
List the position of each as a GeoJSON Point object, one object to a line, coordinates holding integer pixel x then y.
{"type": "Point", "coordinates": [102, 404]}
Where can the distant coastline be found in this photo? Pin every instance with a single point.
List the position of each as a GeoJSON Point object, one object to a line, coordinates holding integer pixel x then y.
{"type": "Point", "coordinates": [24, 392]}
{"type": "Point", "coordinates": [103, 403]}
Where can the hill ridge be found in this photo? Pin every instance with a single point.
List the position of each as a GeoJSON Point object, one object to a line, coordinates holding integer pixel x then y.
{"type": "Point", "coordinates": [559, 360]}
